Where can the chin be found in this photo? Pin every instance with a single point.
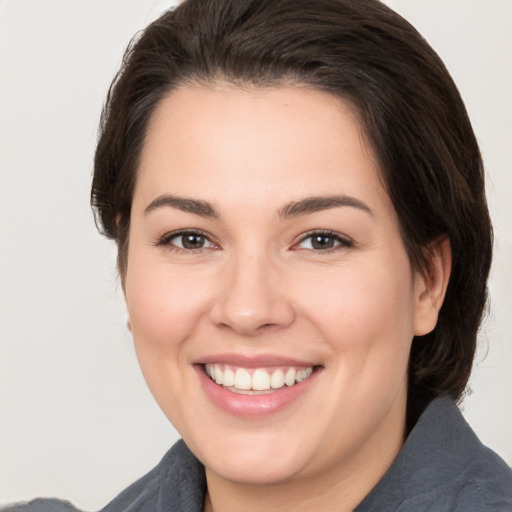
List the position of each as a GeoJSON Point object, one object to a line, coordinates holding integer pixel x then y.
{"type": "Point", "coordinates": [255, 460]}
{"type": "Point", "coordinates": [245, 471]}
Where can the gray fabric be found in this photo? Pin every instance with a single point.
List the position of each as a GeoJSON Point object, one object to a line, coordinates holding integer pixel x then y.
{"type": "Point", "coordinates": [177, 484]}
{"type": "Point", "coordinates": [41, 505]}
{"type": "Point", "coordinates": [442, 467]}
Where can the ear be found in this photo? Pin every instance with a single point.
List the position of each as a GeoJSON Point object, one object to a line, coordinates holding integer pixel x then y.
{"type": "Point", "coordinates": [430, 286]}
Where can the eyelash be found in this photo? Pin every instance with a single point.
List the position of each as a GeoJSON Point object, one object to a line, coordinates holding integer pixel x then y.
{"type": "Point", "coordinates": [165, 241]}
{"type": "Point", "coordinates": [340, 241]}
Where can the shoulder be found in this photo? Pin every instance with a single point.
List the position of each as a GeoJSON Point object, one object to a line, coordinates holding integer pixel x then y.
{"type": "Point", "coordinates": [481, 483]}
{"type": "Point", "coordinates": [41, 505]}
{"type": "Point", "coordinates": [476, 478]}
{"type": "Point", "coordinates": [484, 482]}
{"type": "Point", "coordinates": [443, 467]}
{"type": "Point", "coordinates": [177, 483]}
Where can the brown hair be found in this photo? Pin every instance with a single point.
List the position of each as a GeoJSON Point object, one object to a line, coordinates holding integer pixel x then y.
{"type": "Point", "coordinates": [407, 104]}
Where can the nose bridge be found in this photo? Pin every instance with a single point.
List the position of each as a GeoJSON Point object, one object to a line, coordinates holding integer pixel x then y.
{"type": "Point", "coordinates": [253, 295]}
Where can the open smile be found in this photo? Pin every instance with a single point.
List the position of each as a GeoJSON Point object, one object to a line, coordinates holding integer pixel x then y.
{"type": "Point", "coordinates": [256, 381]}
{"type": "Point", "coordinates": [254, 388]}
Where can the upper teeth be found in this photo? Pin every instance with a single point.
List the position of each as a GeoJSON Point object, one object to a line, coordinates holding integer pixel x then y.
{"type": "Point", "coordinates": [258, 379]}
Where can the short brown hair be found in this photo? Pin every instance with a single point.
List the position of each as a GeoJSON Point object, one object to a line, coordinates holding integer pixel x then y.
{"type": "Point", "coordinates": [408, 106]}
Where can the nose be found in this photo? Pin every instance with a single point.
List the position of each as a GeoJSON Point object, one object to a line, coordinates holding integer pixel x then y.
{"type": "Point", "coordinates": [253, 297]}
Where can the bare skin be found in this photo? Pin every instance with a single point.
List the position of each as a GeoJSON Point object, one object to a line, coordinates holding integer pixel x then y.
{"type": "Point", "coordinates": [260, 230]}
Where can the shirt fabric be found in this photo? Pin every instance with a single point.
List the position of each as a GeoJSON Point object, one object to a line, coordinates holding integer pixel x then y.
{"type": "Point", "coordinates": [442, 467]}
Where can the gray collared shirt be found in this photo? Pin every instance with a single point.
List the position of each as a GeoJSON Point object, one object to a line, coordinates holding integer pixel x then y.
{"type": "Point", "coordinates": [443, 467]}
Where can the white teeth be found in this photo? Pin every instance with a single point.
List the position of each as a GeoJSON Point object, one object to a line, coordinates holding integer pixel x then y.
{"type": "Point", "coordinates": [277, 379]}
{"type": "Point", "coordinates": [217, 374]}
{"type": "Point", "coordinates": [261, 380]}
{"type": "Point", "coordinates": [228, 379]}
{"type": "Point", "coordinates": [304, 374]}
{"type": "Point", "coordinates": [289, 378]}
{"type": "Point", "coordinates": [242, 379]}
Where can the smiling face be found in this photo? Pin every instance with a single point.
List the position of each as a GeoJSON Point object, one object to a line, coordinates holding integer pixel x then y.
{"type": "Point", "coordinates": [263, 251]}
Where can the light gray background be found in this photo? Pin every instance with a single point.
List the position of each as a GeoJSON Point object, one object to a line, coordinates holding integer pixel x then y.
{"type": "Point", "coordinates": [76, 418]}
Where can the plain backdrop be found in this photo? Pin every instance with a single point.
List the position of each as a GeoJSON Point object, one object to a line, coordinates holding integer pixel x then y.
{"type": "Point", "coordinates": [76, 418]}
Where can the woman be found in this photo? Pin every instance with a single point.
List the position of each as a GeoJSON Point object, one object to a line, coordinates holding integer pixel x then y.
{"type": "Point", "coordinates": [303, 239]}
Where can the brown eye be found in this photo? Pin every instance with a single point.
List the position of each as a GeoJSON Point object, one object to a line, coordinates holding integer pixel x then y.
{"type": "Point", "coordinates": [187, 240]}
{"type": "Point", "coordinates": [323, 241]}
{"type": "Point", "coordinates": [191, 241]}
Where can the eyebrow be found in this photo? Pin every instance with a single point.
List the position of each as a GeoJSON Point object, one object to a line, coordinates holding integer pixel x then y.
{"type": "Point", "coordinates": [196, 206]}
{"type": "Point", "coordinates": [288, 211]}
{"type": "Point", "coordinates": [315, 204]}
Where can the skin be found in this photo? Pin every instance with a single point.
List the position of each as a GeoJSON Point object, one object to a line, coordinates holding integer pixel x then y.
{"type": "Point", "coordinates": [258, 286]}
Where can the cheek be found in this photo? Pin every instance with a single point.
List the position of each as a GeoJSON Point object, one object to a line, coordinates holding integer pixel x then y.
{"type": "Point", "coordinates": [362, 298]}
{"type": "Point", "coordinates": [165, 309]}
{"type": "Point", "coordinates": [366, 314]}
{"type": "Point", "coordinates": [162, 305]}
{"type": "Point", "coordinates": [162, 308]}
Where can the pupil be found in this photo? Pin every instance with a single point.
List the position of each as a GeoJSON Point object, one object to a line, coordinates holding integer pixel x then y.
{"type": "Point", "coordinates": [322, 242]}
{"type": "Point", "coordinates": [193, 241]}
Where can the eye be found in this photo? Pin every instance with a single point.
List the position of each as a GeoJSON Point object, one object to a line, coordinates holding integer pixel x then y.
{"type": "Point", "coordinates": [187, 240]}
{"type": "Point", "coordinates": [323, 241]}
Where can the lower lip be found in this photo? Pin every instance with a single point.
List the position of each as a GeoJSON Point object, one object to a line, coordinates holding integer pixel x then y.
{"type": "Point", "coordinates": [253, 406]}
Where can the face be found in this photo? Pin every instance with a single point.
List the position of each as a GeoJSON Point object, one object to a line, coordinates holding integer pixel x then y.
{"type": "Point", "coordinates": [271, 299]}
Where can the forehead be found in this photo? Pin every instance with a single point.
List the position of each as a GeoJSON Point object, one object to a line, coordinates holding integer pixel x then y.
{"type": "Point", "coordinates": [280, 141]}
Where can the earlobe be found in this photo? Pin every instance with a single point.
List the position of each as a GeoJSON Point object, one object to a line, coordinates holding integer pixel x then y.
{"type": "Point", "coordinates": [430, 286]}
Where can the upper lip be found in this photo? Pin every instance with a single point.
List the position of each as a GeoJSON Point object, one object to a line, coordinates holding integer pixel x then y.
{"type": "Point", "coordinates": [259, 361]}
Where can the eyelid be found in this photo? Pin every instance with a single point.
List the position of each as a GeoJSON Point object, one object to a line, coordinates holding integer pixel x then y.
{"type": "Point", "coordinates": [344, 241]}
{"type": "Point", "coordinates": [165, 240]}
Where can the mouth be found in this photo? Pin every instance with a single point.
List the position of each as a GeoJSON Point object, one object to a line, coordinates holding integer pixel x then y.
{"type": "Point", "coordinates": [255, 388]}
{"type": "Point", "coordinates": [256, 381]}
